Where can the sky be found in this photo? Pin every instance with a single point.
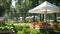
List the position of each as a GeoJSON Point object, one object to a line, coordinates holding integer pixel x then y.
{"type": "Point", "coordinates": [13, 3]}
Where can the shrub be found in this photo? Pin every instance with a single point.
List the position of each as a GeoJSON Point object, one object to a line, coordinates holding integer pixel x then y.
{"type": "Point", "coordinates": [7, 26]}
{"type": "Point", "coordinates": [34, 31]}
{"type": "Point", "coordinates": [20, 32]}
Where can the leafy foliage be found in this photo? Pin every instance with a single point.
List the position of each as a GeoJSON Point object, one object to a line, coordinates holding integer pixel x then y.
{"type": "Point", "coordinates": [4, 7]}
{"type": "Point", "coordinates": [7, 26]}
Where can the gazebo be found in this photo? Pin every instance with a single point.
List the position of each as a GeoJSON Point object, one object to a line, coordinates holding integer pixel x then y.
{"type": "Point", "coordinates": [45, 8]}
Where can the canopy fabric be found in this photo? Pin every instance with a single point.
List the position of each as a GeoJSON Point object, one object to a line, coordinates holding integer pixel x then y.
{"type": "Point", "coordinates": [46, 6]}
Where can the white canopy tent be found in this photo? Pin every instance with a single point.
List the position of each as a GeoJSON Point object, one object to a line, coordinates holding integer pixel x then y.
{"type": "Point", "coordinates": [45, 8]}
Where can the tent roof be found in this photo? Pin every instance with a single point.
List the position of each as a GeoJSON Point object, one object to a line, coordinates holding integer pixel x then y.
{"type": "Point", "coordinates": [45, 6]}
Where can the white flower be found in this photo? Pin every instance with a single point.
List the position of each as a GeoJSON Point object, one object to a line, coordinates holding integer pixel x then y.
{"type": "Point", "coordinates": [37, 27]}
{"type": "Point", "coordinates": [31, 27]}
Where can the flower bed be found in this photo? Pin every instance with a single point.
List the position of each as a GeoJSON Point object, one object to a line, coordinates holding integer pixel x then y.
{"type": "Point", "coordinates": [23, 28]}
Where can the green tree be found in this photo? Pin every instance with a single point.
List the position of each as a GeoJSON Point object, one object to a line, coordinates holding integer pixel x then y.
{"type": "Point", "coordinates": [4, 7]}
{"type": "Point", "coordinates": [22, 7]}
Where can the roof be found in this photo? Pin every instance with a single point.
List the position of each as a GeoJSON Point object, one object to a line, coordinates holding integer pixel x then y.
{"type": "Point", "coordinates": [45, 7]}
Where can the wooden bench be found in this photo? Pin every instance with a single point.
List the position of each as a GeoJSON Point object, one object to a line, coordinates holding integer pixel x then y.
{"type": "Point", "coordinates": [7, 32]}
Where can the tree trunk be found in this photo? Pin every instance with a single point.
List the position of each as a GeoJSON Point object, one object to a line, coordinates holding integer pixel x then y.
{"type": "Point", "coordinates": [24, 17]}
{"type": "Point", "coordinates": [2, 11]}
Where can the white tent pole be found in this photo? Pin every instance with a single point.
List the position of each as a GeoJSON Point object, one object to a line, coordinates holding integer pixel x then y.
{"type": "Point", "coordinates": [45, 16]}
